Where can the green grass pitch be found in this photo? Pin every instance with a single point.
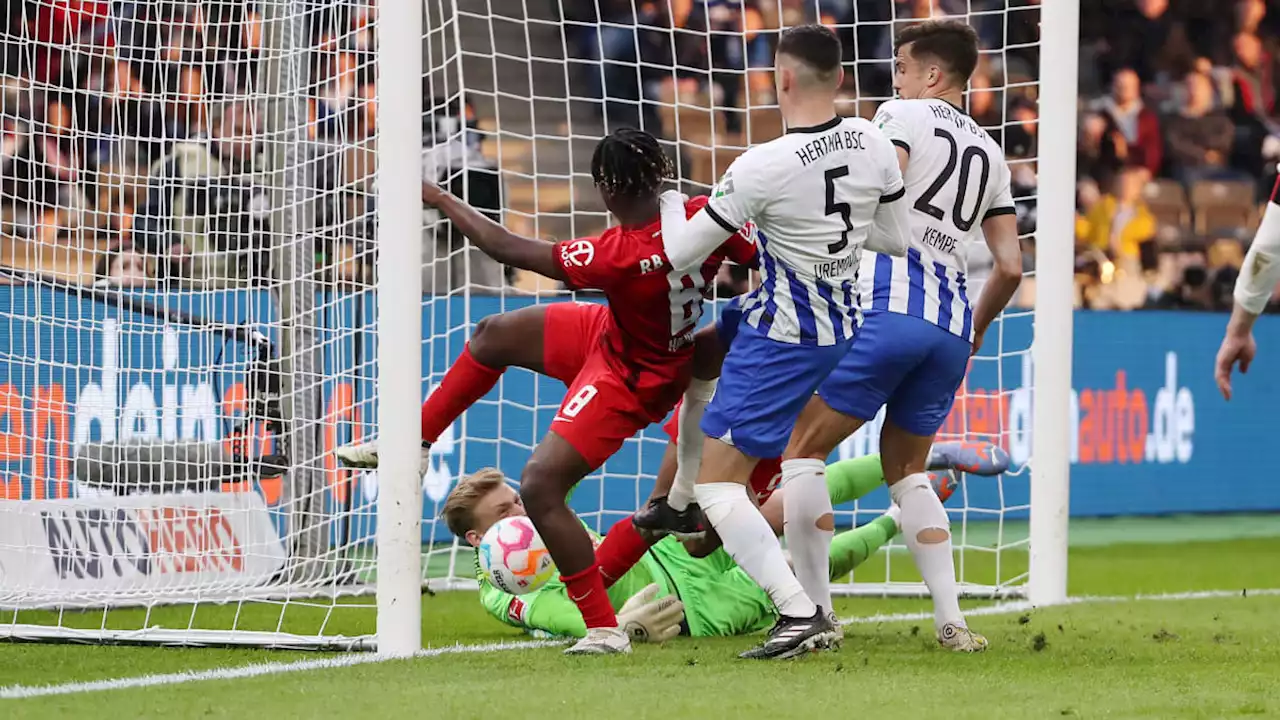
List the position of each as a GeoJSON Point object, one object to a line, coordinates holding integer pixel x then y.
{"type": "Point", "coordinates": [1125, 657]}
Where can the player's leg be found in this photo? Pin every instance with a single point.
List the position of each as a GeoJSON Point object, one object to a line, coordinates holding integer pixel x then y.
{"type": "Point", "coordinates": [555, 467]}
{"type": "Point", "coordinates": [708, 353]}
{"type": "Point", "coordinates": [628, 540]}
{"type": "Point", "coordinates": [763, 387]}
{"type": "Point", "coordinates": [623, 546]}
{"type": "Point", "coordinates": [851, 548]}
{"type": "Point", "coordinates": [499, 341]}
{"type": "Point", "coordinates": [597, 416]}
{"type": "Point", "coordinates": [720, 600]}
{"type": "Point", "coordinates": [849, 480]}
{"type": "Point", "coordinates": [916, 409]}
{"type": "Point", "coordinates": [809, 524]}
{"type": "Point", "coordinates": [672, 507]}
{"type": "Point", "coordinates": [850, 396]}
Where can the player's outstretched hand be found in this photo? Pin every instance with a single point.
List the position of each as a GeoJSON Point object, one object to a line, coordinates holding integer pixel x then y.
{"type": "Point", "coordinates": [647, 619]}
{"type": "Point", "coordinates": [1236, 348]}
{"type": "Point", "coordinates": [431, 193]}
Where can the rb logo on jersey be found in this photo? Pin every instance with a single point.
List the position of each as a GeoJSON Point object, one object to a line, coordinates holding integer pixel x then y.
{"type": "Point", "coordinates": [649, 264]}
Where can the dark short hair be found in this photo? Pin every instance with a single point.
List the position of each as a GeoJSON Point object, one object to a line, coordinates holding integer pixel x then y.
{"type": "Point", "coordinates": [951, 42]}
{"type": "Point", "coordinates": [814, 45]}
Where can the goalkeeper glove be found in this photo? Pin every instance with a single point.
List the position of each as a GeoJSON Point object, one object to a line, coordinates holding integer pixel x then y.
{"type": "Point", "coordinates": [646, 619]}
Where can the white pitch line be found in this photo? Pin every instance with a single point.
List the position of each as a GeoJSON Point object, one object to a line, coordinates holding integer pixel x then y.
{"type": "Point", "coordinates": [1022, 605]}
{"type": "Point", "coordinates": [18, 692]}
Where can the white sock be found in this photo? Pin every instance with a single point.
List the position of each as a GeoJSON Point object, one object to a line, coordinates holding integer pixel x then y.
{"type": "Point", "coordinates": [921, 511]}
{"type": "Point", "coordinates": [807, 500]}
{"type": "Point", "coordinates": [689, 441]}
{"type": "Point", "coordinates": [895, 512]}
{"type": "Point", "coordinates": [751, 543]}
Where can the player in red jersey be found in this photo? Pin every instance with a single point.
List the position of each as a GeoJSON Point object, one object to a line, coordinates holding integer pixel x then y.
{"type": "Point", "coordinates": [625, 365]}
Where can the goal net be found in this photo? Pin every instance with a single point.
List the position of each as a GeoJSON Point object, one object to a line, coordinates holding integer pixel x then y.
{"type": "Point", "coordinates": [185, 319]}
{"type": "Point", "coordinates": [188, 289]}
{"type": "Point", "coordinates": [543, 81]}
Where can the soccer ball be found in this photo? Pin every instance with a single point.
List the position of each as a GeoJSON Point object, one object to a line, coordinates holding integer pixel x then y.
{"type": "Point", "coordinates": [514, 558]}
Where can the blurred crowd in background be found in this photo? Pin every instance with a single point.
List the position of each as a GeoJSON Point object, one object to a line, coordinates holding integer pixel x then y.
{"type": "Point", "coordinates": [125, 126]}
{"type": "Point", "coordinates": [127, 131]}
{"type": "Point", "coordinates": [1178, 119]}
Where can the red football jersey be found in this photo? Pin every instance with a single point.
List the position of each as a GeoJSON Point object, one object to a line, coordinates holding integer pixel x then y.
{"type": "Point", "coordinates": [766, 476]}
{"type": "Point", "coordinates": [655, 309]}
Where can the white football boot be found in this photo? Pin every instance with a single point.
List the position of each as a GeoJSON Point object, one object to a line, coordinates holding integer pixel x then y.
{"type": "Point", "coordinates": [365, 455]}
{"type": "Point", "coordinates": [602, 641]}
{"type": "Point", "coordinates": [958, 638]}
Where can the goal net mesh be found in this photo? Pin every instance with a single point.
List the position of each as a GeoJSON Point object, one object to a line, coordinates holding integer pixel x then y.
{"type": "Point", "coordinates": [535, 86]}
{"type": "Point", "coordinates": [187, 286]}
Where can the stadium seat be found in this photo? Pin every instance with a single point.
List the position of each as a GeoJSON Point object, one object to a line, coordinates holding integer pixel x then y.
{"type": "Point", "coordinates": [526, 195]}
{"type": "Point", "coordinates": [1168, 202]}
{"type": "Point", "coordinates": [60, 261]}
{"type": "Point", "coordinates": [689, 116]}
{"type": "Point", "coordinates": [763, 125]}
{"type": "Point", "coordinates": [707, 163]}
{"type": "Point", "coordinates": [1223, 204]}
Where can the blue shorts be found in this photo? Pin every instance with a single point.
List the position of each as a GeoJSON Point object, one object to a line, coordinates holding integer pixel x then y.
{"type": "Point", "coordinates": [764, 384]}
{"type": "Point", "coordinates": [907, 363]}
{"type": "Point", "coordinates": [727, 321]}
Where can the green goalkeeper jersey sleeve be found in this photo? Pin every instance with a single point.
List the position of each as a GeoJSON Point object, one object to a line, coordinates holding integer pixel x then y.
{"type": "Point", "coordinates": [548, 611]}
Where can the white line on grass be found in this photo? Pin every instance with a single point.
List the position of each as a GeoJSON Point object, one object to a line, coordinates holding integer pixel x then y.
{"type": "Point", "coordinates": [17, 692]}
{"type": "Point", "coordinates": [1005, 608]}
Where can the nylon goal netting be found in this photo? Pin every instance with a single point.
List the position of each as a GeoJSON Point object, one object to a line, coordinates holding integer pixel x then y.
{"type": "Point", "coordinates": [188, 309]}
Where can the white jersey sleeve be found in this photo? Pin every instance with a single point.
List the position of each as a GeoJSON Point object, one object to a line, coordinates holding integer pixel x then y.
{"type": "Point", "coordinates": [956, 177]}
{"type": "Point", "coordinates": [742, 192]}
{"type": "Point", "coordinates": [890, 118]}
{"type": "Point", "coordinates": [892, 225]}
{"type": "Point", "coordinates": [1002, 201]}
{"type": "Point", "coordinates": [1261, 269]}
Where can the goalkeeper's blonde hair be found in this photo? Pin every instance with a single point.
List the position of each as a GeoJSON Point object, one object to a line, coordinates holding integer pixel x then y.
{"type": "Point", "coordinates": [459, 508]}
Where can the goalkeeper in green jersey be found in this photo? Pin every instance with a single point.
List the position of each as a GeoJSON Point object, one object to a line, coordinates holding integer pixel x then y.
{"type": "Point", "coordinates": [660, 589]}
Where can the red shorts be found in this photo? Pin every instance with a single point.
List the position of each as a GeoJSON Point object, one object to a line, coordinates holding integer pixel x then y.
{"type": "Point", "coordinates": [601, 409]}
{"type": "Point", "coordinates": [766, 476]}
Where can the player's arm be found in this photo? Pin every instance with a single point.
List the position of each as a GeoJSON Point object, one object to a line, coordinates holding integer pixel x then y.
{"type": "Point", "coordinates": [891, 225]}
{"type": "Point", "coordinates": [890, 119]}
{"type": "Point", "coordinates": [1254, 287]}
{"type": "Point", "coordinates": [492, 238]}
{"type": "Point", "coordinates": [904, 157]}
{"type": "Point", "coordinates": [1001, 229]}
{"type": "Point", "coordinates": [734, 201]}
{"type": "Point", "coordinates": [549, 610]}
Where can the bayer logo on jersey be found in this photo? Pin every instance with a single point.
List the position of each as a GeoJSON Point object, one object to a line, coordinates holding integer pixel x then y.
{"type": "Point", "coordinates": [514, 558]}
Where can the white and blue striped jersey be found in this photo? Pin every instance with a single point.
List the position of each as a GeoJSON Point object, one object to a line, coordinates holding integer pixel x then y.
{"type": "Point", "coordinates": [814, 196]}
{"type": "Point", "coordinates": [956, 178]}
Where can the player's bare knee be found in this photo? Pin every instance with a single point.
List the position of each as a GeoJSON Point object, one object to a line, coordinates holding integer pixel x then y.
{"type": "Point", "coordinates": [538, 492]}
{"type": "Point", "coordinates": [826, 523]}
{"type": "Point", "coordinates": [933, 536]}
{"type": "Point", "coordinates": [486, 343]}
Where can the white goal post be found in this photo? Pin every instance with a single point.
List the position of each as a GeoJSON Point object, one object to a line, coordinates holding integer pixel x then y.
{"type": "Point", "coordinates": [215, 268]}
